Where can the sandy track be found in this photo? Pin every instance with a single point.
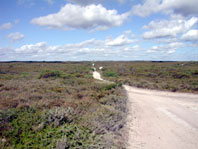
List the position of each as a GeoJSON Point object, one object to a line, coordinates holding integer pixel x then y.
{"type": "Point", "coordinates": [96, 75]}
{"type": "Point", "coordinates": [162, 120]}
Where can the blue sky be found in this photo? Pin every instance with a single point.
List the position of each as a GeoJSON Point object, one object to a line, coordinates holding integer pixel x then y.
{"type": "Point", "coordinates": [76, 30]}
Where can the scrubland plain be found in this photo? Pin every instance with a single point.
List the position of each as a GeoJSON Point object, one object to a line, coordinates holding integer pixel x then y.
{"type": "Point", "coordinates": [170, 76]}
{"type": "Point", "coordinates": [59, 105]}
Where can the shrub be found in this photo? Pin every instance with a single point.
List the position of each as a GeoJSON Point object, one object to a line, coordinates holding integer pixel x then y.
{"type": "Point", "coordinates": [92, 69]}
{"type": "Point", "coordinates": [68, 76]}
{"type": "Point", "coordinates": [109, 86]}
{"type": "Point", "coordinates": [7, 76]}
{"type": "Point", "coordinates": [180, 76]}
{"type": "Point", "coordinates": [24, 74]}
{"type": "Point", "coordinates": [30, 128]}
{"type": "Point", "coordinates": [50, 74]}
{"type": "Point", "coordinates": [58, 116]}
{"type": "Point", "coordinates": [110, 74]}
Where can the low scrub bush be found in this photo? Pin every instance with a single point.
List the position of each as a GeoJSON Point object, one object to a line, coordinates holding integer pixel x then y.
{"type": "Point", "coordinates": [68, 76]}
{"type": "Point", "coordinates": [180, 76]}
{"type": "Point", "coordinates": [51, 74]}
{"type": "Point", "coordinates": [58, 116]}
{"type": "Point", "coordinates": [109, 86]}
{"type": "Point", "coordinates": [62, 111]}
{"type": "Point", "coordinates": [110, 74]}
{"type": "Point", "coordinates": [31, 128]}
{"type": "Point", "coordinates": [6, 76]}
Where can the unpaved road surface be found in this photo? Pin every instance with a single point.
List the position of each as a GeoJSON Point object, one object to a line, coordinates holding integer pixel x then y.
{"type": "Point", "coordinates": [162, 120]}
{"type": "Point", "coordinates": [96, 75]}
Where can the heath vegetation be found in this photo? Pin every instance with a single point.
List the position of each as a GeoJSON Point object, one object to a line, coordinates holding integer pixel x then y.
{"type": "Point", "coordinates": [171, 76]}
{"type": "Point", "coordinates": [59, 105]}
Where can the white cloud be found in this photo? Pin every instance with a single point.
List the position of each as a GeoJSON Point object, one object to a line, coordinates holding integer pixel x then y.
{"type": "Point", "coordinates": [90, 47]}
{"type": "Point", "coordinates": [168, 28]}
{"type": "Point", "coordinates": [166, 48]}
{"type": "Point", "coordinates": [32, 48]}
{"type": "Point", "coordinates": [133, 48]}
{"type": "Point", "coordinates": [148, 7]}
{"type": "Point", "coordinates": [119, 41]}
{"type": "Point", "coordinates": [191, 35]}
{"type": "Point", "coordinates": [82, 17]}
{"type": "Point", "coordinates": [183, 7]}
{"type": "Point", "coordinates": [6, 26]}
{"type": "Point", "coordinates": [15, 36]}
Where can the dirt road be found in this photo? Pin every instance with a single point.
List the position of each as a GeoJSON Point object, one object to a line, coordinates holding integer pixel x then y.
{"type": "Point", "coordinates": [96, 75]}
{"type": "Point", "coordinates": [162, 120]}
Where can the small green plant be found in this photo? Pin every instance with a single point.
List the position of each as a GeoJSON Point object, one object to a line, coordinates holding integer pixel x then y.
{"type": "Point", "coordinates": [109, 86]}
{"type": "Point", "coordinates": [110, 74]}
{"type": "Point", "coordinates": [24, 74]}
{"type": "Point", "coordinates": [31, 128]}
{"type": "Point", "coordinates": [51, 74]}
{"type": "Point", "coordinates": [68, 76]}
{"type": "Point", "coordinates": [92, 69]}
{"type": "Point", "coordinates": [6, 76]}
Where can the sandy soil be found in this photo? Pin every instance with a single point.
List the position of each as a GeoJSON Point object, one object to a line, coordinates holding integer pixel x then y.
{"type": "Point", "coordinates": [96, 75]}
{"type": "Point", "coordinates": [162, 120]}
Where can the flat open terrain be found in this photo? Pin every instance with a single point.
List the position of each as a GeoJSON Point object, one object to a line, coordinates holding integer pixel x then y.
{"type": "Point", "coordinates": [59, 105]}
{"type": "Point", "coordinates": [169, 76]}
{"type": "Point", "coordinates": [160, 119]}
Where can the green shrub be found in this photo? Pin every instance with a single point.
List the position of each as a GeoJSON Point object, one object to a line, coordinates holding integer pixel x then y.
{"type": "Point", "coordinates": [109, 86]}
{"type": "Point", "coordinates": [51, 74]}
{"type": "Point", "coordinates": [92, 69]}
{"type": "Point", "coordinates": [68, 76]}
{"type": "Point", "coordinates": [31, 128]}
{"type": "Point", "coordinates": [110, 74]}
{"type": "Point", "coordinates": [7, 76]}
{"type": "Point", "coordinates": [24, 74]}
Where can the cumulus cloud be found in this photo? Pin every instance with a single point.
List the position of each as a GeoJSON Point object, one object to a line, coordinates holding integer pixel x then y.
{"type": "Point", "coordinates": [6, 26]}
{"type": "Point", "coordinates": [82, 17]}
{"type": "Point", "coordinates": [15, 36]}
{"type": "Point", "coordinates": [33, 48]}
{"type": "Point", "coordinates": [92, 47]}
{"type": "Point", "coordinates": [168, 28]}
{"type": "Point", "coordinates": [147, 8]}
{"type": "Point", "coordinates": [191, 35]}
{"type": "Point", "coordinates": [119, 41]}
{"type": "Point", "coordinates": [166, 48]}
{"type": "Point", "coordinates": [183, 7]}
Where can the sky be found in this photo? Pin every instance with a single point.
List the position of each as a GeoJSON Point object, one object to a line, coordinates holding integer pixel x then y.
{"type": "Point", "coordinates": [92, 30]}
